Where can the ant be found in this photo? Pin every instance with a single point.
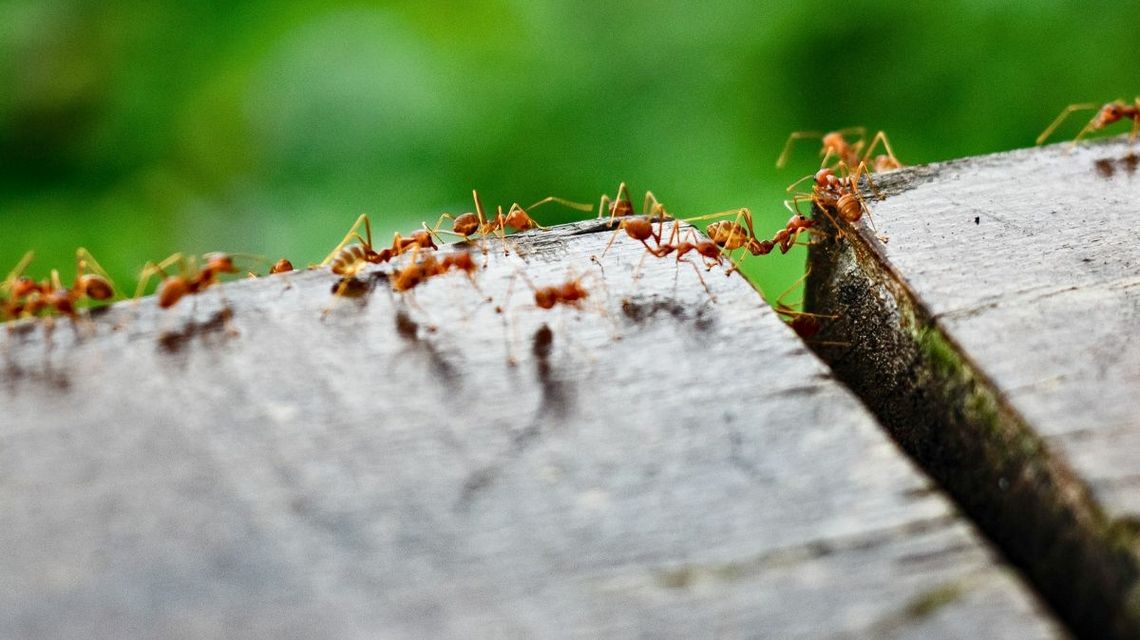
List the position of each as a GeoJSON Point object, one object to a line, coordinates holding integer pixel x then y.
{"type": "Point", "coordinates": [26, 297]}
{"type": "Point", "coordinates": [347, 260]}
{"type": "Point", "coordinates": [517, 218]}
{"type": "Point", "coordinates": [281, 266]}
{"type": "Point", "coordinates": [835, 144]}
{"type": "Point", "coordinates": [622, 205]}
{"type": "Point", "coordinates": [1108, 114]}
{"type": "Point", "coordinates": [568, 293]}
{"type": "Point", "coordinates": [641, 228]}
{"type": "Point", "coordinates": [836, 193]}
{"type": "Point", "coordinates": [190, 279]}
{"type": "Point", "coordinates": [420, 270]}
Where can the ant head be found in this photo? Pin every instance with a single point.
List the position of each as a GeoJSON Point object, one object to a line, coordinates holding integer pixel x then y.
{"type": "Point", "coordinates": [465, 224]}
{"type": "Point", "coordinates": [220, 263]}
{"type": "Point", "coordinates": [96, 287]}
{"type": "Point", "coordinates": [799, 220]}
{"type": "Point", "coordinates": [1109, 114]}
{"type": "Point", "coordinates": [171, 291]}
{"type": "Point", "coordinates": [825, 177]}
{"type": "Point", "coordinates": [423, 238]}
{"type": "Point", "coordinates": [281, 266]}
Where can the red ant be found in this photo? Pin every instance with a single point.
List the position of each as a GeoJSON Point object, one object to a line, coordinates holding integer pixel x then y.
{"type": "Point", "coordinates": [420, 270]}
{"type": "Point", "coordinates": [569, 293]}
{"type": "Point", "coordinates": [836, 193]}
{"type": "Point", "coordinates": [28, 298]}
{"type": "Point", "coordinates": [190, 279]}
{"type": "Point", "coordinates": [516, 218]}
{"type": "Point", "coordinates": [347, 260]}
{"type": "Point", "coordinates": [1108, 114]}
{"type": "Point", "coordinates": [852, 154]}
{"type": "Point", "coordinates": [281, 266]}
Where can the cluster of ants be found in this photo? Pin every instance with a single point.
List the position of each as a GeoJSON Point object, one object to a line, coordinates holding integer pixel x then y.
{"type": "Point", "coordinates": [848, 161]}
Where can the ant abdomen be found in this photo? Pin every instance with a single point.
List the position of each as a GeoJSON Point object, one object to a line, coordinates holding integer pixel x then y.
{"type": "Point", "coordinates": [172, 290]}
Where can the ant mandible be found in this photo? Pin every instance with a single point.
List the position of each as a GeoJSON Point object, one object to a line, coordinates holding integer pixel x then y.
{"type": "Point", "coordinates": [835, 144]}
{"type": "Point", "coordinates": [1108, 114]}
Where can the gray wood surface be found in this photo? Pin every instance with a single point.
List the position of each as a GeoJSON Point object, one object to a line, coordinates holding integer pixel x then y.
{"type": "Point", "coordinates": [1028, 263]}
{"type": "Point", "coordinates": [654, 465]}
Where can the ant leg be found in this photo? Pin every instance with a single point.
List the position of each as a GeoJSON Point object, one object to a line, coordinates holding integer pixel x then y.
{"type": "Point", "coordinates": [810, 176]}
{"type": "Point", "coordinates": [860, 171]}
{"type": "Point", "coordinates": [1065, 113]}
{"type": "Point", "coordinates": [150, 269]}
{"type": "Point", "coordinates": [880, 137]}
{"type": "Point", "coordinates": [562, 201]}
{"type": "Point", "coordinates": [604, 205]}
{"type": "Point", "coordinates": [796, 135]}
{"type": "Point", "coordinates": [18, 270]}
{"type": "Point", "coordinates": [700, 277]}
{"type": "Point", "coordinates": [348, 237]}
{"type": "Point", "coordinates": [709, 216]}
{"type": "Point", "coordinates": [613, 236]}
{"type": "Point", "coordinates": [479, 213]}
{"type": "Point", "coordinates": [640, 263]}
{"type": "Point", "coordinates": [652, 206]}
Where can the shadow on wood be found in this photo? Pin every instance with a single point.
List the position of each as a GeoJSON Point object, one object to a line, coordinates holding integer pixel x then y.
{"type": "Point", "coordinates": [656, 464]}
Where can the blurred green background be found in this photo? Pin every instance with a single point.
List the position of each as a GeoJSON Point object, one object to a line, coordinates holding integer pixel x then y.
{"type": "Point", "coordinates": [140, 129]}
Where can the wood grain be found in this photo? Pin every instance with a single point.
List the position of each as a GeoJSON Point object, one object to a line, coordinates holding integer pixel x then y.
{"type": "Point", "coordinates": [655, 464]}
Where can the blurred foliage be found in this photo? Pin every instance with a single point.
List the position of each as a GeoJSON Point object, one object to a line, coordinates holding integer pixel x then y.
{"type": "Point", "coordinates": [140, 129]}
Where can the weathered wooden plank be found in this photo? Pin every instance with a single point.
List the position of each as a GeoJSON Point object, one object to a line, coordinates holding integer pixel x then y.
{"type": "Point", "coordinates": [382, 472]}
{"type": "Point", "coordinates": [993, 334]}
